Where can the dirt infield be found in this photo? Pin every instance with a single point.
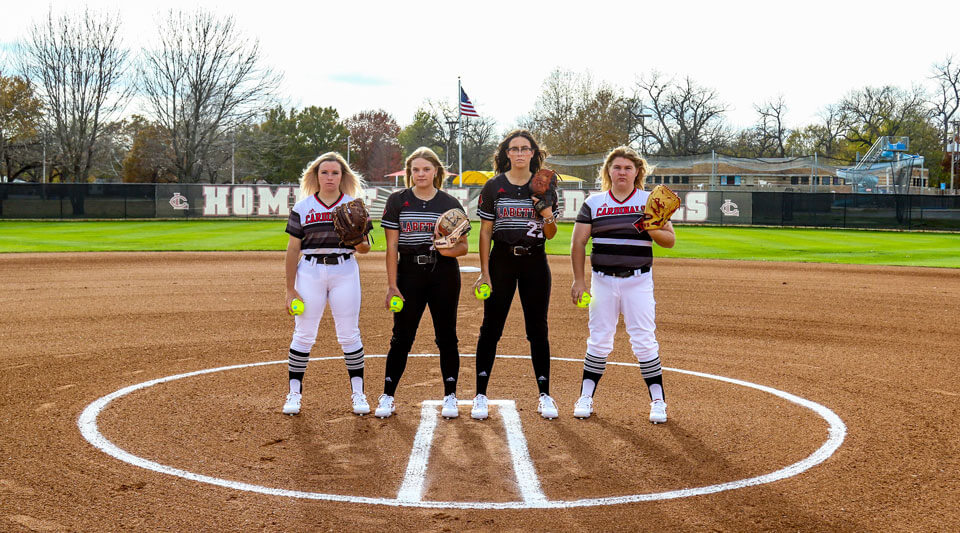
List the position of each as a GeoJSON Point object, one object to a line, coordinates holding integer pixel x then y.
{"type": "Point", "coordinates": [860, 341]}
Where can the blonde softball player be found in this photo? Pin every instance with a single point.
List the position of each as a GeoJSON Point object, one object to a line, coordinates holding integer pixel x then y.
{"type": "Point", "coordinates": [321, 270]}
{"type": "Point", "coordinates": [621, 281]}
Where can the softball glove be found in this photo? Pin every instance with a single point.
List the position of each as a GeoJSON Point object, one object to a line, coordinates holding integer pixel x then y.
{"type": "Point", "coordinates": [352, 222]}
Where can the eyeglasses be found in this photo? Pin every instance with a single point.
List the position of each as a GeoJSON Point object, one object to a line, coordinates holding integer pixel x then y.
{"type": "Point", "coordinates": [514, 150]}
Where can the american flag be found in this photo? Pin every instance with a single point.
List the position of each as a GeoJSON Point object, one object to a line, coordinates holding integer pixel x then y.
{"type": "Point", "coordinates": [466, 107]}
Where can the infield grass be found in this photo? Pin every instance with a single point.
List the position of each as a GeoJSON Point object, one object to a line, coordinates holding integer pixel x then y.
{"type": "Point", "coordinates": [754, 244]}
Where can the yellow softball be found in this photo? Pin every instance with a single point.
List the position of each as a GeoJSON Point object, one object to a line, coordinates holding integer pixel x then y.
{"type": "Point", "coordinates": [296, 307]}
{"type": "Point", "coordinates": [396, 304]}
{"type": "Point", "coordinates": [482, 292]}
{"type": "Point", "coordinates": [584, 300]}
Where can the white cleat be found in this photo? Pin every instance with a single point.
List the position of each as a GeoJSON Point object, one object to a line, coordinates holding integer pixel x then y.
{"type": "Point", "coordinates": [292, 406]}
{"type": "Point", "coordinates": [479, 410]}
{"type": "Point", "coordinates": [360, 405]}
{"type": "Point", "coordinates": [547, 407]}
{"type": "Point", "coordinates": [450, 409]}
{"type": "Point", "coordinates": [658, 411]}
{"type": "Point", "coordinates": [386, 407]}
{"type": "Point", "coordinates": [584, 407]}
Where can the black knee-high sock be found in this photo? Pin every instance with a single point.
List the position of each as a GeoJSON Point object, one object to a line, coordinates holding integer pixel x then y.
{"type": "Point", "coordinates": [484, 367]}
{"type": "Point", "coordinates": [449, 371]}
{"type": "Point", "coordinates": [541, 367]}
{"type": "Point", "coordinates": [396, 363]}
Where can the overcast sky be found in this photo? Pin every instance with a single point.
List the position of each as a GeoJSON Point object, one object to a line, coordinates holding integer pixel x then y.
{"type": "Point", "coordinates": [358, 55]}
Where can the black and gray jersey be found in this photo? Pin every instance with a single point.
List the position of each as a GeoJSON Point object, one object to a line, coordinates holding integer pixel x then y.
{"type": "Point", "coordinates": [311, 222]}
{"type": "Point", "coordinates": [416, 219]}
{"type": "Point", "coordinates": [515, 221]}
{"type": "Point", "coordinates": [618, 242]}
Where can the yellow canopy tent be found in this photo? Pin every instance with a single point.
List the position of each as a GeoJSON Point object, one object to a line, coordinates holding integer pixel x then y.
{"type": "Point", "coordinates": [472, 177]}
{"type": "Point", "coordinates": [479, 177]}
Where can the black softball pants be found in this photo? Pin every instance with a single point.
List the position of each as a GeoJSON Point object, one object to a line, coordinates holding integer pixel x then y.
{"type": "Point", "coordinates": [508, 272]}
{"type": "Point", "coordinates": [438, 286]}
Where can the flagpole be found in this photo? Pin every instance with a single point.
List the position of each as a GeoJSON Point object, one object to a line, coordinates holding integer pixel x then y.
{"type": "Point", "coordinates": [459, 132]}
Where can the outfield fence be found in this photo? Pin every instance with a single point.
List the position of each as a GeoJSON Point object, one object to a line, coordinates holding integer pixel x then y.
{"type": "Point", "coordinates": [199, 201]}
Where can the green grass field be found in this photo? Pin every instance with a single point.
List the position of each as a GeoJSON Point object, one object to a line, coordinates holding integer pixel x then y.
{"type": "Point", "coordinates": [755, 244]}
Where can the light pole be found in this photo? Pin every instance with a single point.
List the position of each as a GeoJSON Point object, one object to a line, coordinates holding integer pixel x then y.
{"type": "Point", "coordinates": [233, 160]}
{"type": "Point", "coordinates": [451, 124]}
{"type": "Point", "coordinates": [43, 175]}
{"type": "Point", "coordinates": [953, 154]}
{"type": "Point", "coordinates": [643, 133]}
{"type": "Point", "coordinates": [348, 149]}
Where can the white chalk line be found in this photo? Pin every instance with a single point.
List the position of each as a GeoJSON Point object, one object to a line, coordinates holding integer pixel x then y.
{"type": "Point", "coordinates": [836, 432]}
{"type": "Point", "coordinates": [526, 473]}
{"type": "Point", "coordinates": [411, 490]}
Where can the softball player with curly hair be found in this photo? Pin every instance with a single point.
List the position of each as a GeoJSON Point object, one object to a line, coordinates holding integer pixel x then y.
{"type": "Point", "coordinates": [321, 270]}
{"type": "Point", "coordinates": [518, 233]}
{"type": "Point", "coordinates": [421, 275]}
{"type": "Point", "coordinates": [621, 281]}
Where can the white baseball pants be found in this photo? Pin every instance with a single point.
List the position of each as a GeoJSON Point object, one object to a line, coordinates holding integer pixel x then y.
{"type": "Point", "coordinates": [338, 285]}
{"type": "Point", "coordinates": [633, 298]}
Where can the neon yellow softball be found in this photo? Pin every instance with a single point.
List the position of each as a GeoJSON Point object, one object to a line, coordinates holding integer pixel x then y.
{"type": "Point", "coordinates": [296, 307]}
{"type": "Point", "coordinates": [482, 292]}
{"type": "Point", "coordinates": [584, 300]}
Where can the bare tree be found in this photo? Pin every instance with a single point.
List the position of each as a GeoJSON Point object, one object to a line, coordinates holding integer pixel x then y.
{"type": "Point", "coordinates": [872, 112]}
{"type": "Point", "coordinates": [438, 122]}
{"type": "Point", "coordinates": [687, 118]}
{"type": "Point", "coordinates": [202, 80]}
{"type": "Point", "coordinates": [771, 132]}
{"type": "Point", "coordinates": [575, 115]}
{"type": "Point", "coordinates": [947, 102]}
{"type": "Point", "coordinates": [444, 116]}
{"type": "Point", "coordinates": [479, 143]}
{"type": "Point", "coordinates": [824, 137]}
{"type": "Point", "coordinates": [79, 66]}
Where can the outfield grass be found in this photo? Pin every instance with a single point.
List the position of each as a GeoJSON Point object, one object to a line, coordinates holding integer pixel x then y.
{"type": "Point", "coordinates": [758, 244]}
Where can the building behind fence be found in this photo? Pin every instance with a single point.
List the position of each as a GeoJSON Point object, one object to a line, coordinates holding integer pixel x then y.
{"type": "Point", "coordinates": [715, 171]}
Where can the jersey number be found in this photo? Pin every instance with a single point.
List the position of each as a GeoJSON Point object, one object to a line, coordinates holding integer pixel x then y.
{"type": "Point", "coordinates": [535, 231]}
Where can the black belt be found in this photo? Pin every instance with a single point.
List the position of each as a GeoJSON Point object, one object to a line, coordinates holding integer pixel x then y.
{"type": "Point", "coordinates": [328, 259]}
{"type": "Point", "coordinates": [427, 259]}
{"type": "Point", "coordinates": [525, 250]}
{"type": "Point", "coordinates": [619, 273]}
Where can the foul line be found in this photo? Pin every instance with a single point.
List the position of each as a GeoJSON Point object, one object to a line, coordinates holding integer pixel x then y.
{"type": "Point", "coordinates": [836, 432]}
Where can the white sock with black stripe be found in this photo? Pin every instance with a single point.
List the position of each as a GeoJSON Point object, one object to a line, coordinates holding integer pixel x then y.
{"type": "Point", "coordinates": [354, 361]}
{"type": "Point", "coordinates": [296, 367]}
{"type": "Point", "coordinates": [593, 369]}
{"type": "Point", "coordinates": [652, 375]}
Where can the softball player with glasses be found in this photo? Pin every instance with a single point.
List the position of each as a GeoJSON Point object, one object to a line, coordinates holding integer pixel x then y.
{"type": "Point", "coordinates": [422, 274]}
{"type": "Point", "coordinates": [321, 270]}
{"type": "Point", "coordinates": [518, 233]}
{"type": "Point", "coordinates": [621, 281]}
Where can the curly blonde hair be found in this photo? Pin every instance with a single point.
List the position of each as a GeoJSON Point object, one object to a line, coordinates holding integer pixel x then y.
{"type": "Point", "coordinates": [643, 168]}
{"type": "Point", "coordinates": [425, 153]}
{"type": "Point", "coordinates": [350, 182]}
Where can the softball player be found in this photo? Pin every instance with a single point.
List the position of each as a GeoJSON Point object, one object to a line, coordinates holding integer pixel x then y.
{"type": "Point", "coordinates": [518, 260]}
{"type": "Point", "coordinates": [621, 282]}
{"type": "Point", "coordinates": [326, 273]}
{"type": "Point", "coordinates": [422, 276]}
